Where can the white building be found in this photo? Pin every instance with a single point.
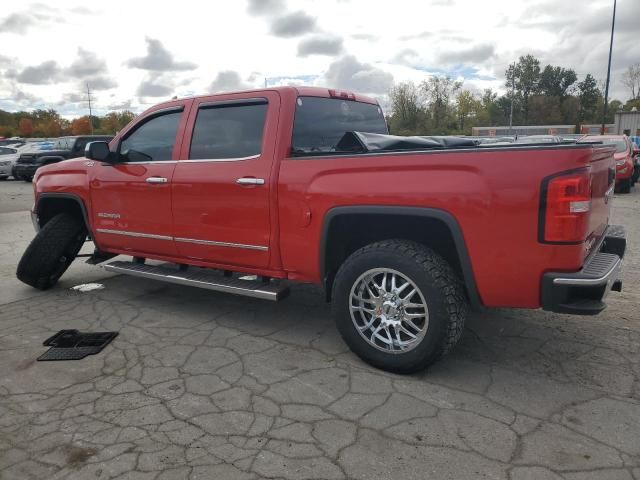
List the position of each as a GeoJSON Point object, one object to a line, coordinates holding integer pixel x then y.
{"type": "Point", "coordinates": [627, 123]}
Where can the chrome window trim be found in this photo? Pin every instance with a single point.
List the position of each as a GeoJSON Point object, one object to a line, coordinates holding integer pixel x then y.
{"type": "Point", "coordinates": [232, 159]}
{"type": "Point", "coordinates": [182, 239]}
{"type": "Point", "coordinates": [202, 160]}
{"type": "Point", "coordinates": [221, 244]}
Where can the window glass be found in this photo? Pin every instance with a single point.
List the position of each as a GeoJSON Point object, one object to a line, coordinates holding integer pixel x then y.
{"type": "Point", "coordinates": [320, 122]}
{"type": "Point", "coordinates": [153, 140]}
{"type": "Point", "coordinates": [63, 143]}
{"type": "Point", "coordinates": [228, 132]}
{"type": "Point", "coordinates": [620, 145]}
{"type": "Point", "coordinates": [80, 144]}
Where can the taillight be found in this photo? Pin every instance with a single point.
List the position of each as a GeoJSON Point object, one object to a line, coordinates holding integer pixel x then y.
{"type": "Point", "coordinates": [342, 94]}
{"type": "Point", "coordinates": [565, 207]}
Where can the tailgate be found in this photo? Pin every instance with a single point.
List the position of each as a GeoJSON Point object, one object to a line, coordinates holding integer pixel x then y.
{"type": "Point", "coordinates": [603, 176]}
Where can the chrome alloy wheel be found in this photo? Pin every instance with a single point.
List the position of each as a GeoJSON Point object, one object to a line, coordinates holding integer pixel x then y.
{"type": "Point", "coordinates": [388, 310]}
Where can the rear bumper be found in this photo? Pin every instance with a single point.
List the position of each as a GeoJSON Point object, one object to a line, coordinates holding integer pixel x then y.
{"type": "Point", "coordinates": [584, 292]}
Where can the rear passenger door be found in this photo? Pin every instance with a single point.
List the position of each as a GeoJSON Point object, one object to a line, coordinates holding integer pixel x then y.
{"type": "Point", "coordinates": [221, 185]}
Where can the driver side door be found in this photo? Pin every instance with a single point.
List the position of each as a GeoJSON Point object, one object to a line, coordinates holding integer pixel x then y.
{"type": "Point", "coordinates": [131, 199]}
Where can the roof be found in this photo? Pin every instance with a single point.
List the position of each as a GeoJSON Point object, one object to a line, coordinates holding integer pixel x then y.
{"type": "Point", "coordinates": [299, 91]}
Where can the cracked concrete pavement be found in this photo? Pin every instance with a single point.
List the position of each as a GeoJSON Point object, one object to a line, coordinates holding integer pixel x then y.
{"type": "Point", "coordinates": [200, 385]}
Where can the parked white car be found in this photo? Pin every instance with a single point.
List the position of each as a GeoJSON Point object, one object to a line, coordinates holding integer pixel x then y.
{"type": "Point", "coordinates": [8, 157]}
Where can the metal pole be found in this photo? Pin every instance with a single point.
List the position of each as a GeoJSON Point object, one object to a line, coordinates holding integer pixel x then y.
{"type": "Point", "coordinates": [606, 88]}
{"type": "Point", "coordinates": [90, 120]}
{"type": "Point", "coordinates": [513, 89]}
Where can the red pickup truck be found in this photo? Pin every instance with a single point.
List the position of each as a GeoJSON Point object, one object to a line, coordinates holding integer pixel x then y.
{"type": "Point", "coordinates": [246, 192]}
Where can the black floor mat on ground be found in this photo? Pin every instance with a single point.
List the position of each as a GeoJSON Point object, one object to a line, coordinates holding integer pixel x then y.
{"type": "Point", "coordinates": [75, 345]}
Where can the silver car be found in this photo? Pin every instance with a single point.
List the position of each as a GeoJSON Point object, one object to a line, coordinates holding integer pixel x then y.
{"type": "Point", "coordinates": [8, 157]}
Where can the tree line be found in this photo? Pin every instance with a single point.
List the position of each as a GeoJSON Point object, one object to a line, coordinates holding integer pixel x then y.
{"type": "Point", "coordinates": [549, 95]}
{"type": "Point", "coordinates": [49, 124]}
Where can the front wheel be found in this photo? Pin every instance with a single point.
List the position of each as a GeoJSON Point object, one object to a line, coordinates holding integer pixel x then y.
{"type": "Point", "coordinates": [51, 252]}
{"type": "Point", "coordinates": [399, 305]}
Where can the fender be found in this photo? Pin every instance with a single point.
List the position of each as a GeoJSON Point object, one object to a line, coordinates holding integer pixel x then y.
{"type": "Point", "coordinates": [65, 196]}
{"type": "Point", "coordinates": [433, 213]}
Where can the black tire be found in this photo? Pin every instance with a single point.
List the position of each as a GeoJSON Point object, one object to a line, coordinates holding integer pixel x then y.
{"type": "Point", "coordinates": [625, 187]}
{"type": "Point", "coordinates": [51, 252]}
{"type": "Point", "coordinates": [3, 178]}
{"type": "Point", "coordinates": [438, 283]}
{"type": "Point", "coordinates": [27, 179]}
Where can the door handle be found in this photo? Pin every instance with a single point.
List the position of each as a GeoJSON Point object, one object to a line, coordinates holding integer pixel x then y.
{"type": "Point", "coordinates": [250, 181]}
{"type": "Point", "coordinates": [156, 180]}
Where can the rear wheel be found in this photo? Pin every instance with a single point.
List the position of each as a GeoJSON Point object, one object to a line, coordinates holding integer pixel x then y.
{"type": "Point", "coordinates": [398, 305]}
{"type": "Point", "coordinates": [51, 252]}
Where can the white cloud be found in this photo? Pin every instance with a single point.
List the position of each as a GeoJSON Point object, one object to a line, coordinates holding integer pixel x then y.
{"type": "Point", "coordinates": [321, 44]}
{"type": "Point", "coordinates": [350, 74]}
{"type": "Point", "coordinates": [293, 25]}
{"type": "Point", "coordinates": [154, 87]}
{"type": "Point", "coordinates": [227, 80]}
{"type": "Point", "coordinates": [158, 59]}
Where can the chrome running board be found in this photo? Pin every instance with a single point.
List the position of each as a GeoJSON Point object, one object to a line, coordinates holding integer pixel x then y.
{"type": "Point", "coordinates": [202, 278]}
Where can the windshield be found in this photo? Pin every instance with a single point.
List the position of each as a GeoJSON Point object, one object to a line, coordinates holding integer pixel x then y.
{"type": "Point", "coordinates": [320, 122]}
{"type": "Point", "coordinates": [620, 145]}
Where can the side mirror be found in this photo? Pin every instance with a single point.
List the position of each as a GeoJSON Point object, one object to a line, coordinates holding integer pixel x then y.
{"type": "Point", "coordinates": [98, 151]}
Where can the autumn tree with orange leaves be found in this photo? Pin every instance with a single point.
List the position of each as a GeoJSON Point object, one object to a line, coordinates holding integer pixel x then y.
{"type": "Point", "coordinates": [25, 127]}
{"type": "Point", "coordinates": [81, 126]}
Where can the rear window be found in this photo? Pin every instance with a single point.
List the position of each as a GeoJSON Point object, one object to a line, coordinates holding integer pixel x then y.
{"type": "Point", "coordinates": [320, 123]}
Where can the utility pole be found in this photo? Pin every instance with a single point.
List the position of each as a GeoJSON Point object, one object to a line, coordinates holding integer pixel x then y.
{"type": "Point", "coordinates": [513, 93]}
{"type": "Point", "coordinates": [606, 88]}
{"type": "Point", "coordinates": [90, 116]}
